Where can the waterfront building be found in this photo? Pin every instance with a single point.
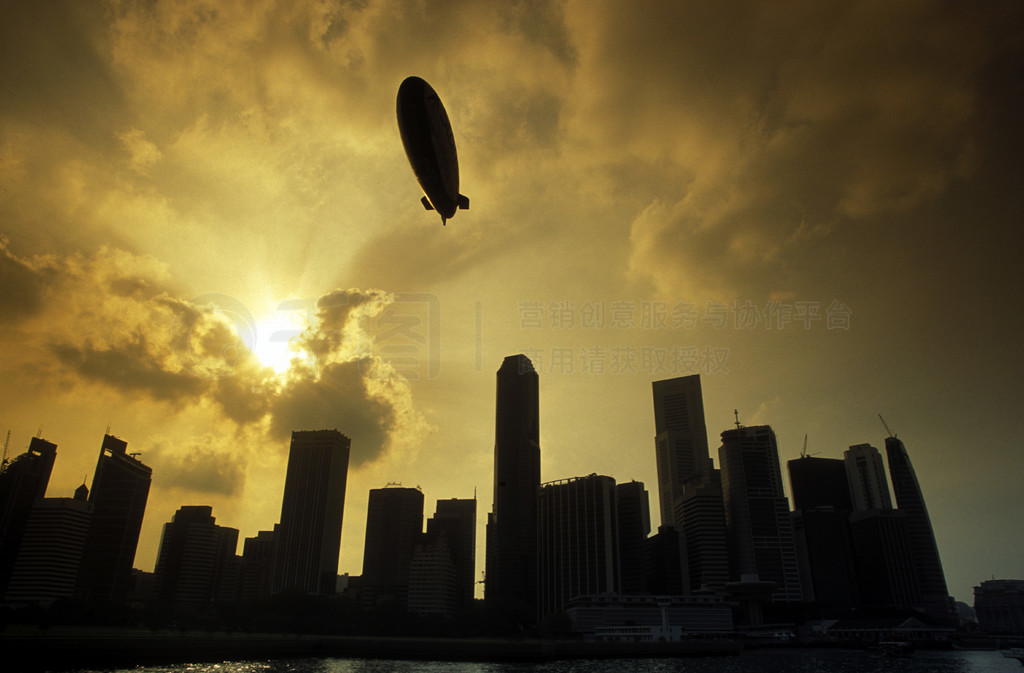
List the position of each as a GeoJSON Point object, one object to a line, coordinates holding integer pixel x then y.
{"type": "Point", "coordinates": [433, 578]}
{"type": "Point", "coordinates": [455, 518]}
{"type": "Point", "coordinates": [665, 563]}
{"type": "Point", "coordinates": [681, 439]}
{"type": "Point", "coordinates": [650, 618]}
{"type": "Point", "coordinates": [394, 526]}
{"type": "Point", "coordinates": [120, 489]}
{"type": "Point", "coordinates": [758, 525]}
{"type": "Point", "coordinates": [885, 569]}
{"type": "Point", "coordinates": [23, 483]}
{"type": "Point", "coordinates": [577, 541]}
{"type": "Point", "coordinates": [931, 579]}
{"type": "Point", "coordinates": [308, 540]}
{"type": "Point", "coordinates": [51, 549]}
{"type": "Point", "coordinates": [865, 474]}
{"type": "Point", "coordinates": [193, 562]}
{"type": "Point", "coordinates": [633, 511]}
{"type": "Point", "coordinates": [701, 509]}
{"type": "Point", "coordinates": [822, 503]}
{"type": "Point", "coordinates": [999, 606]}
{"type": "Point", "coordinates": [257, 569]}
{"type": "Point", "coordinates": [511, 564]}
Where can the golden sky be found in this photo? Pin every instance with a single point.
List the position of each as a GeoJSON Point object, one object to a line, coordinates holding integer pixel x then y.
{"type": "Point", "coordinates": [814, 205]}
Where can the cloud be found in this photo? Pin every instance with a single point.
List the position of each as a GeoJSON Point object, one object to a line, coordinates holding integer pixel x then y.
{"type": "Point", "coordinates": [111, 320]}
{"type": "Point", "coordinates": [204, 464]}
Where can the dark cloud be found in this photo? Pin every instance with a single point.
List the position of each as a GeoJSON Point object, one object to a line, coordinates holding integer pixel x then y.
{"type": "Point", "coordinates": [199, 465]}
{"type": "Point", "coordinates": [337, 398]}
{"type": "Point", "coordinates": [22, 285]}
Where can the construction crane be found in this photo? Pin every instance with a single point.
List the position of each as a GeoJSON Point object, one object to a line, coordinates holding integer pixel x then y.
{"type": "Point", "coordinates": [886, 426]}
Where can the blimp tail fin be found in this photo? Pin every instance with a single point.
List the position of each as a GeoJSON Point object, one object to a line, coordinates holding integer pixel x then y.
{"type": "Point", "coordinates": [426, 203]}
{"type": "Point", "coordinates": [463, 202]}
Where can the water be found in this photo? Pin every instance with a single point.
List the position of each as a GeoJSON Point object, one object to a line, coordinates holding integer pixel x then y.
{"type": "Point", "coordinates": [757, 661]}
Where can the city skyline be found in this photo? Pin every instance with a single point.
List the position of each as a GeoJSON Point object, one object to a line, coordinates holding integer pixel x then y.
{"type": "Point", "coordinates": [811, 218]}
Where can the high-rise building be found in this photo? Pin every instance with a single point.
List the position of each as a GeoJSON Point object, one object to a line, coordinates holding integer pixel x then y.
{"type": "Point", "coordinates": [819, 482]}
{"type": "Point", "coordinates": [257, 570]}
{"type": "Point", "coordinates": [924, 551]}
{"type": "Point", "coordinates": [821, 501]}
{"type": "Point", "coordinates": [455, 518]}
{"type": "Point", "coordinates": [701, 509]}
{"type": "Point", "coordinates": [432, 577]}
{"type": "Point", "coordinates": [394, 526]}
{"type": "Point", "coordinates": [665, 563]}
{"type": "Point", "coordinates": [511, 563]}
{"type": "Point", "coordinates": [681, 439]}
{"type": "Point", "coordinates": [194, 553]}
{"type": "Point", "coordinates": [120, 489]}
{"type": "Point", "coordinates": [633, 511]}
{"type": "Point", "coordinates": [577, 541]}
{"type": "Point", "coordinates": [308, 540]}
{"type": "Point", "coordinates": [865, 474]}
{"type": "Point", "coordinates": [758, 524]}
{"type": "Point", "coordinates": [23, 483]}
{"type": "Point", "coordinates": [51, 549]}
{"type": "Point", "coordinates": [885, 569]}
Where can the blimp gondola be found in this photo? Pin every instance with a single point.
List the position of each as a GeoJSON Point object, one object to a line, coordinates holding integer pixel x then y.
{"type": "Point", "coordinates": [430, 146]}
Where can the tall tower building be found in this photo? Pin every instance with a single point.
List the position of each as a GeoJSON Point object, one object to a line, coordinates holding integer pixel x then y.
{"type": "Point", "coordinates": [51, 549]}
{"type": "Point", "coordinates": [681, 439]}
{"type": "Point", "coordinates": [924, 551]}
{"type": "Point", "coordinates": [511, 564]}
{"type": "Point", "coordinates": [308, 540]}
{"type": "Point", "coordinates": [120, 489]}
{"type": "Point", "coordinates": [394, 526]}
{"type": "Point", "coordinates": [758, 525]}
{"type": "Point", "coordinates": [577, 541]}
{"type": "Point", "coordinates": [455, 519]}
{"type": "Point", "coordinates": [194, 554]}
{"type": "Point", "coordinates": [23, 483]}
{"type": "Point", "coordinates": [701, 509]}
{"type": "Point", "coordinates": [633, 511]}
{"type": "Point", "coordinates": [865, 474]}
{"type": "Point", "coordinates": [821, 501]}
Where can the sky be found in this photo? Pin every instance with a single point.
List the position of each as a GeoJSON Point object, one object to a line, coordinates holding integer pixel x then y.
{"type": "Point", "coordinates": [210, 236]}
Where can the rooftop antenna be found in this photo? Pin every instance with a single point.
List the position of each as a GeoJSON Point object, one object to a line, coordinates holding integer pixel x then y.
{"type": "Point", "coordinates": [886, 425]}
{"type": "Point", "coordinates": [6, 442]}
{"type": "Point", "coordinates": [107, 432]}
{"type": "Point", "coordinates": [736, 412]}
{"type": "Point", "coordinates": [803, 454]}
{"type": "Point", "coordinates": [39, 432]}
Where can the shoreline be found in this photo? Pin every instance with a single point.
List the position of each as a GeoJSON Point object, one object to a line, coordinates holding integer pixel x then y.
{"type": "Point", "coordinates": [58, 647]}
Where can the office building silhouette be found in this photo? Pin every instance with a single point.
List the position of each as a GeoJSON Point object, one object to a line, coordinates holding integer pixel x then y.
{"type": "Point", "coordinates": [885, 569]}
{"type": "Point", "coordinates": [758, 524]}
{"type": "Point", "coordinates": [48, 562]}
{"type": "Point", "coordinates": [681, 440]}
{"type": "Point", "coordinates": [455, 520]}
{"type": "Point", "coordinates": [931, 580]}
{"type": "Point", "coordinates": [821, 499]}
{"type": "Point", "coordinates": [194, 556]}
{"type": "Point", "coordinates": [120, 489]}
{"type": "Point", "coordinates": [394, 526]}
{"type": "Point", "coordinates": [23, 483]}
{"type": "Point", "coordinates": [865, 473]}
{"type": "Point", "coordinates": [578, 541]}
{"type": "Point", "coordinates": [308, 539]}
{"type": "Point", "coordinates": [633, 511]}
{"type": "Point", "coordinates": [511, 563]}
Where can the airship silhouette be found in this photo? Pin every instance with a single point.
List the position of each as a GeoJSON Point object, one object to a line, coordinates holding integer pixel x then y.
{"type": "Point", "coordinates": [430, 146]}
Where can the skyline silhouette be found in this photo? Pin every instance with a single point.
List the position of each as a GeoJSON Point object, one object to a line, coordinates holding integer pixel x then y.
{"type": "Point", "coordinates": [812, 218]}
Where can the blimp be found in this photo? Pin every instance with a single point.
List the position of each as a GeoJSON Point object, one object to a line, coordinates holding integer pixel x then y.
{"type": "Point", "coordinates": [430, 146]}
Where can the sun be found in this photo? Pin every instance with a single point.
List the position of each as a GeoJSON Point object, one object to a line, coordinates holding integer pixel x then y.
{"type": "Point", "coordinates": [273, 342]}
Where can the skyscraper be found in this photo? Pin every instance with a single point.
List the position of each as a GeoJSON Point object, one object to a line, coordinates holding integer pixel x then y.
{"type": "Point", "coordinates": [681, 439]}
{"type": "Point", "coordinates": [577, 541]}
{"type": "Point", "coordinates": [194, 552]}
{"type": "Point", "coordinates": [455, 518]}
{"type": "Point", "coordinates": [23, 483]}
{"type": "Point", "coordinates": [308, 540]}
{"type": "Point", "coordinates": [120, 489]}
{"type": "Point", "coordinates": [819, 482]}
{"type": "Point", "coordinates": [701, 509]}
{"type": "Point", "coordinates": [924, 551]}
{"type": "Point", "coordinates": [394, 526]}
{"type": "Point", "coordinates": [633, 511]}
{"type": "Point", "coordinates": [511, 564]}
{"type": "Point", "coordinates": [758, 525]}
{"type": "Point", "coordinates": [865, 473]}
